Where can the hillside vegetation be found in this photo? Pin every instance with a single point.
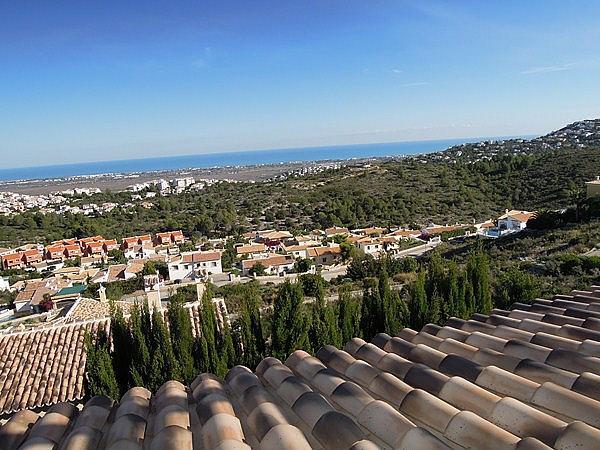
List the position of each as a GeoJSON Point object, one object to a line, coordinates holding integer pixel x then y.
{"type": "Point", "coordinates": [445, 187]}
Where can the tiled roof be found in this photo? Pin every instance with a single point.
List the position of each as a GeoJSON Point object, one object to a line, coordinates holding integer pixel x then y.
{"type": "Point", "coordinates": [13, 256]}
{"type": "Point", "coordinates": [320, 251]}
{"type": "Point", "coordinates": [405, 233]}
{"type": "Point", "coordinates": [271, 261]}
{"type": "Point", "coordinates": [200, 256]}
{"type": "Point", "coordinates": [250, 248]}
{"type": "Point", "coordinates": [42, 367]}
{"type": "Point", "coordinates": [336, 230]}
{"type": "Point", "coordinates": [521, 216]}
{"type": "Point", "coordinates": [525, 378]}
{"type": "Point", "coordinates": [88, 309]}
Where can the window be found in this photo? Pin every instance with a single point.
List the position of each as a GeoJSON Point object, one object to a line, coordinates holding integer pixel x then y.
{"type": "Point", "coordinates": [324, 259]}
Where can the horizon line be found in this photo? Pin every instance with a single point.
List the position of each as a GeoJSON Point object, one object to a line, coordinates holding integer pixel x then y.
{"type": "Point", "coordinates": [221, 152]}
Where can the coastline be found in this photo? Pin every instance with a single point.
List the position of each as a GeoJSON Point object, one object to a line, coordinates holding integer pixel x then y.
{"type": "Point", "coordinates": [249, 166]}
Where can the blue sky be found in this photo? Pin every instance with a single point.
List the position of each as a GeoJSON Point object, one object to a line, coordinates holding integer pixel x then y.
{"type": "Point", "coordinates": [88, 81]}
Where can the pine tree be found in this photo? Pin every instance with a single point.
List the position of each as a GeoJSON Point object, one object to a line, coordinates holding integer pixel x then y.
{"type": "Point", "coordinates": [101, 378]}
{"type": "Point", "coordinates": [290, 321]}
{"type": "Point", "coordinates": [182, 338]}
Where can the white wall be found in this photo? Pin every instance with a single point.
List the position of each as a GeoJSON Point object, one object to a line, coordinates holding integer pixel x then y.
{"type": "Point", "coordinates": [180, 270]}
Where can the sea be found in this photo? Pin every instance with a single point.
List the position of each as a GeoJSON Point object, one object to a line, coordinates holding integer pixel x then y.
{"type": "Point", "coordinates": [239, 158]}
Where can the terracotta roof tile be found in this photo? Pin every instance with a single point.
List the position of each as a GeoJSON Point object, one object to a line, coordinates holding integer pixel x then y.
{"type": "Point", "coordinates": [516, 379]}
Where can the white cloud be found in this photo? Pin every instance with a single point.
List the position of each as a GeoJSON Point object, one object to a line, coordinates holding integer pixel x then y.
{"type": "Point", "coordinates": [397, 71]}
{"type": "Point", "coordinates": [548, 69]}
{"type": "Point", "coordinates": [416, 84]}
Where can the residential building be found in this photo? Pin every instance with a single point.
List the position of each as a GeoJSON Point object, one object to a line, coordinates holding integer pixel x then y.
{"type": "Point", "coordinates": [593, 188]}
{"type": "Point", "coordinates": [325, 256]}
{"type": "Point", "coordinates": [514, 220]}
{"type": "Point", "coordinates": [12, 261]}
{"type": "Point", "coordinates": [54, 251]}
{"type": "Point", "coordinates": [141, 251]}
{"type": "Point", "coordinates": [371, 231]}
{"type": "Point", "coordinates": [333, 231]}
{"type": "Point", "coordinates": [109, 245]}
{"type": "Point", "coordinates": [169, 237]}
{"type": "Point", "coordinates": [94, 248]}
{"type": "Point", "coordinates": [69, 294]}
{"type": "Point", "coordinates": [405, 233]}
{"type": "Point", "coordinates": [73, 251]}
{"type": "Point", "coordinates": [369, 246]}
{"type": "Point", "coordinates": [132, 241]}
{"type": "Point", "coordinates": [83, 242]}
{"type": "Point", "coordinates": [297, 251]}
{"type": "Point", "coordinates": [31, 257]}
{"type": "Point", "coordinates": [276, 235]}
{"type": "Point", "coordinates": [191, 265]}
{"type": "Point", "coordinates": [273, 264]}
{"type": "Point", "coordinates": [254, 250]}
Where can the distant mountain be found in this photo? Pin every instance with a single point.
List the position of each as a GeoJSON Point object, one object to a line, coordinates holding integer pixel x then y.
{"type": "Point", "coordinates": [584, 134]}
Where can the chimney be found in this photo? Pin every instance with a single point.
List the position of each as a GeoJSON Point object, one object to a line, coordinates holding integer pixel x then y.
{"type": "Point", "coordinates": [154, 300]}
{"type": "Point", "coordinates": [102, 293]}
{"type": "Point", "coordinates": [200, 288]}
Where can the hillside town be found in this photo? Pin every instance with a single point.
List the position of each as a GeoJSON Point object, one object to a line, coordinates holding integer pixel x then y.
{"type": "Point", "coordinates": [62, 271]}
{"type": "Point", "coordinates": [581, 134]}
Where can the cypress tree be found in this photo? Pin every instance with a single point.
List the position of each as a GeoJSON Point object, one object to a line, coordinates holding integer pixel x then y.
{"type": "Point", "coordinates": [182, 338]}
{"type": "Point", "coordinates": [251, 346]}
{"type": "Point", "coordinates": [435, 308]}
{"type": "Point", "coordinates": [395, 312]}
{"type": "Point", "coordinates": [461, 301]}
{"type": "Point", "coordinates": [478, 273]}
{"type": "Point", "coordinates": [469, 295]}
{"type": "Point", "coordinates": [208, 339]}
{"type": "Point", "coordinates": [140, 362]}
{"type": "Point", "coordinates": [371, 317]}
{"type": "Point", "coordinates": [451, 306]}
{"type": "Point", "coordinates": [419, 310]}
{"type": "Point", "coordinates": [348, 317]}
{"type": "Point", "coordinates": [100, 374]}
{"type": "Point", "coordinates": [290, 322]}
{"type": "Point", "coordinates": [164, 366]}
{"type": "Point", "coordinates": [323, 326]}
{"type": "Point", "coordinates": [227, 357]}
{"type": "Point", "coordinates": [122, 348]}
